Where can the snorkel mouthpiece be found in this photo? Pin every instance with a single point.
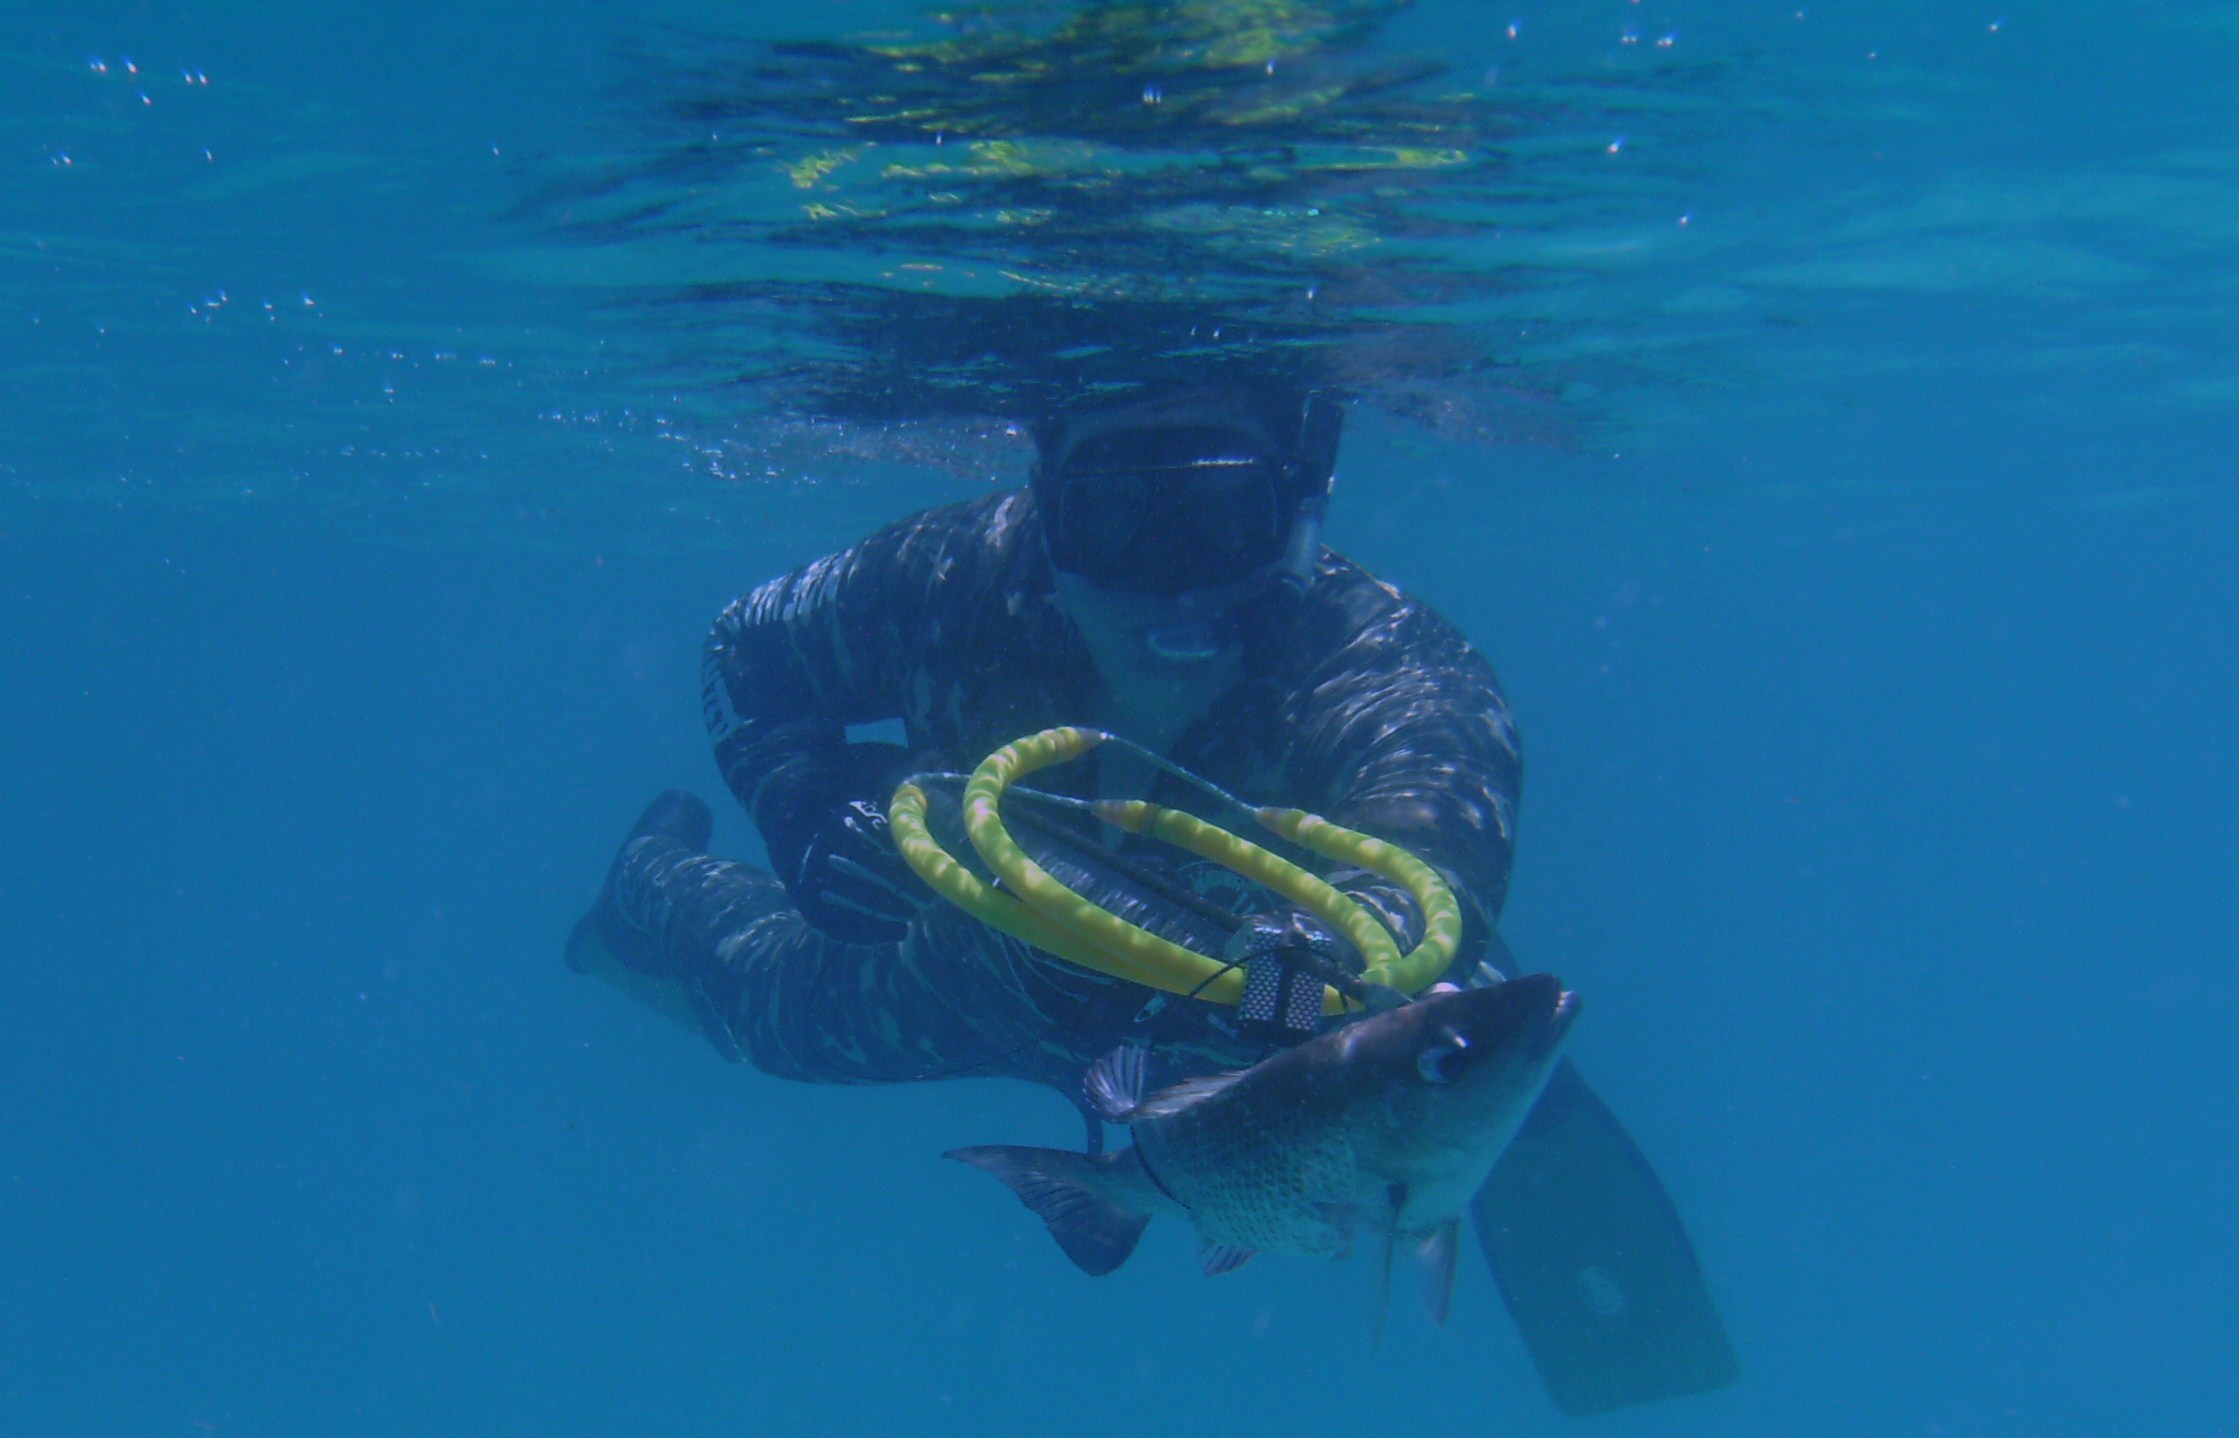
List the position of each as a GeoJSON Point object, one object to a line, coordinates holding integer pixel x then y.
{"type": "Point", "coordinates": [1187, 641]}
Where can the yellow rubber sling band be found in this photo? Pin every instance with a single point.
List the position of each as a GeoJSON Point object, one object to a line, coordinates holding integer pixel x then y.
{"type": "Point", "coordinates": [1042, 911]}
{"type": "Point", "coordinates": [991, 906]}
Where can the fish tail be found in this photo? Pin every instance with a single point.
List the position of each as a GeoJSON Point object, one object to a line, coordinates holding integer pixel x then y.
{"type": "Point", "coordinates": [1066, 1191]}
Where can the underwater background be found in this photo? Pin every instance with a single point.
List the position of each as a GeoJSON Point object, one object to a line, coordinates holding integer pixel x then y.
{"type": "Point", "coordinates": [1854, 534]}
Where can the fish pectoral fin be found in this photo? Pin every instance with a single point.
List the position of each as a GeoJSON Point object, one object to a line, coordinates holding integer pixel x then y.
{"type": "Point", "coordinates": [1223, 1258]}
{"type": "Point", "coordinates": [1383, 1287]}
{"type": "Point", "coordinates": [1114, 1083]}
{"type": "Point", "coordinates": [1063, 1190]}
{"type": "Point", "coordinates": [1395, 1202]}
{"type": "Point", "coordinates": [1440, 1253]}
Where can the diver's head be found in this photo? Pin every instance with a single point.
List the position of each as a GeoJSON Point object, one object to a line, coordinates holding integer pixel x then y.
{"type": "Point", "coordinates": [1163, 514]}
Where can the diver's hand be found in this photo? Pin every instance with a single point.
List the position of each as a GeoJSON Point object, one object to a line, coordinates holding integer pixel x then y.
{"type": "Point", "coordinates": [1297, 933]}
{"type": "Point", "coordinates": [851, 882]}
{"type": "Point", "coordinates": [836, 856]}
{"type": "Point", "coordinates": [1388, 903]}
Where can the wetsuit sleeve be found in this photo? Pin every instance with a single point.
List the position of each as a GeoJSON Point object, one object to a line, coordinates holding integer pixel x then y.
{"type": "Point", "coordinates": [788, 667]}
{"type": "Point", "coordinates": [1402, 732]}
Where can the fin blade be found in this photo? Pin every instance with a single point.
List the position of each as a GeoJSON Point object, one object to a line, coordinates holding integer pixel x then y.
{"type": "Point", "coordinates": [1219, 1258]}
{"type": "Point", "coordinates": [1594, 1262]}
{"type": "Point", "coordinates": [1440, 1253]}
{"type": "Point", "coordinates": [1115, 1083]}
{"type": "Point", "coordinates": [1186, 1094]}
{"type": "Point", "coordinates": [1062, 1189]}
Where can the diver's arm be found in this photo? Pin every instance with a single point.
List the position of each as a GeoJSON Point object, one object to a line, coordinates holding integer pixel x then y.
{"type": "Point", "coordinates": [1403, 733]}
{"type": "Point", "coordinates": [851, 640]}
{"type": "Point", "coordinates": [788, 667]}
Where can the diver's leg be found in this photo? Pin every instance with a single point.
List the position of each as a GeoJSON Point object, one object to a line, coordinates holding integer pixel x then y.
{"type": "Point", "coordinates": [618, 939]}
{"type": "Point", "coordinates": [724, 943]}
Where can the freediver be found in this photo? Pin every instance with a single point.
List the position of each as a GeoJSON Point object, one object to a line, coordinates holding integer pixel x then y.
{"type": "Point", "coordinates": [1162, 577]}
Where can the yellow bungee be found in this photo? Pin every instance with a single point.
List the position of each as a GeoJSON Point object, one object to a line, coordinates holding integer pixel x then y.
{"type": "Point", "coordinates": [1035, 907]}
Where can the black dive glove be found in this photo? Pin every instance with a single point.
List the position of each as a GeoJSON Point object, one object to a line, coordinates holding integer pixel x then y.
{"type": "Point", "coordinates": [839, 861]}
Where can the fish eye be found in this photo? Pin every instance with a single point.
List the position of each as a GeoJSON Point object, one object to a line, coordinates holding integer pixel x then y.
{"type": "Point", "coordinates": [1443, 1060]}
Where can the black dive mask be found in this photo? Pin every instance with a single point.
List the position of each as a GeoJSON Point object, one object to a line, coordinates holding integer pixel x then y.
{"type": "Point", "coordinates": [1179, 502]}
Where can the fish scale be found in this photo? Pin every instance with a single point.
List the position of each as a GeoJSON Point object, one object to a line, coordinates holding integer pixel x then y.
{"type": "Point", "coordinates": [1259, 1169]}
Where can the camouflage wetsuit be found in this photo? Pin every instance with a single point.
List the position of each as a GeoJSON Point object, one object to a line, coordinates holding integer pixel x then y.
{"type": "Point", "coordinates": [1356, 702]}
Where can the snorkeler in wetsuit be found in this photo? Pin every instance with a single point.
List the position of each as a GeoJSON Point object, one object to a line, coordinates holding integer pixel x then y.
{"type": "Point", "coordinates": [1163, 579]}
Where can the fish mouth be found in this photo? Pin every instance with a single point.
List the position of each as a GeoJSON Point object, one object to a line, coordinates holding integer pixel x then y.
{"type": "Point", "coordinates": [1527, 1018]}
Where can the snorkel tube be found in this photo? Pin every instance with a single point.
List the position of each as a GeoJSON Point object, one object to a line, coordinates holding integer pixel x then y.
{"type": "Point", "coordinates": [1035, 907]}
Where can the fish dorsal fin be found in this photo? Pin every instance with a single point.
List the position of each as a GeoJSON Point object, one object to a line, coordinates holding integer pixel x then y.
{"type": "Point", "coordinates": [1439, 1253]}
{"type": "Point", "coordinates": [1186, 1094]}
{"type": "Point", "coordinates": [1223, 1258]}
{"type": "Point", "coordinates": [1115, 1083]}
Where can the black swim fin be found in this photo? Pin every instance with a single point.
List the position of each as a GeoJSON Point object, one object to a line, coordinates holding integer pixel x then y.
{"type": "Point", "coordinates": [1594, 1262]}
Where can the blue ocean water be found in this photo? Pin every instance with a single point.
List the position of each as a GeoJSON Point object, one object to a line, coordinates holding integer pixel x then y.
{"type": "Point", "coordinates": [1871, 619]}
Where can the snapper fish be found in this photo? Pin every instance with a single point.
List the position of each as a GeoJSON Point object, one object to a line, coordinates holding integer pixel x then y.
{"type": "Point", "coordinates": [1387, 1126]}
